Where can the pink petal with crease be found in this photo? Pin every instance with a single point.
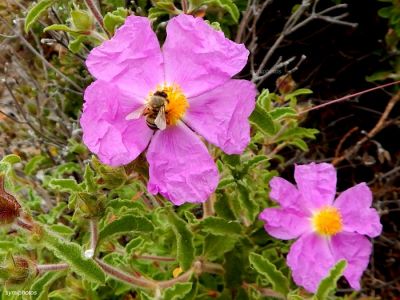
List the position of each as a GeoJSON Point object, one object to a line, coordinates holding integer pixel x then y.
{"type": "Point", "coordinates": [105, 130]}
{"type": "Point", "coordinates": [180, 167]}
{"type": "Point", "coordinates": [221, 115]}
{"type": "Point", "coordinates": [356, 250]}
{"type": "Point", "coordinates": [316, 183]}
{"type": "Point", "coordinates": [198, 57]}
{"type": "Point", "coordinates": [357, 215]}
{"type": "Point", "coordinates": [285, 224]}
{"type": "Point", "coordinates": [131, 59]}
{"type": "Point", "coordinates": [310, 260]}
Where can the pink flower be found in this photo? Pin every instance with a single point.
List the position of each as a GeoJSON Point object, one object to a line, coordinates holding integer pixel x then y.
{"type": "Point", "coordinates": [193, 72]}
{"type": "Point", "coordinates": [327, 230]}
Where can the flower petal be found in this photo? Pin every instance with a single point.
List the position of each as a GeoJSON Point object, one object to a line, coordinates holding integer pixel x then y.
{"type": "Point", "coordinates": [356, 250]}
{"type": "Point", "coordinates": [316, 183]}
{"type": "Point", "coordinates": [105, 130]}
{"type": "Point", "coordinates": [354, 205]}
{"type": "Point", "coordinates": [181, 168]}
{"type": "Point", "coordinates": [286, 194]}
{"type": "Point", "coordinates": [285, 224]}
{"type": "Point", "coordinates": [198, 57]}
{"type": "Point", "coordinates": [132, 58]}
{"type": "Point", "coordinates": [221, 115]}
{"type": "Point", "coordinates": [310, 260]}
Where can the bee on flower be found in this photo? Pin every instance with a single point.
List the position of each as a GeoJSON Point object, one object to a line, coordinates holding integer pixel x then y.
{"type": "Point", "coordinates": [159, 100]}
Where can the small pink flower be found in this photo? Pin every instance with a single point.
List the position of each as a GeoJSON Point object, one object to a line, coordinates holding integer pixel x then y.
{"type": "Point", "coordinates": [327, 230]}
{"type": "Point", "coordinates": [193, 71]}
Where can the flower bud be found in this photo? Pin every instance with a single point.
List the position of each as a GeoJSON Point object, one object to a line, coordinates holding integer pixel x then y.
{"type": "Point", "coordinates": [285, 84]}
{"type": "Point", "coordinates": [18, 270]}
{"type": "Point", "coordinates": [9, 207]}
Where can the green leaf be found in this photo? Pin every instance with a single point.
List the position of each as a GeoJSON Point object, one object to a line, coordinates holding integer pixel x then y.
{"type": "Point", "coordinates": [60, 27]}
{"type": "Point", "coordinates": [62, 230]}
{"type": "Point", "coordinates": [64, 185]}
{"type": "Point", "coordinates": [89, 180]}
{"type": "Point", "coordinates": [11, 159]}
{"type": "Point", "coordinates": [184, 241]}
{"type": "Point", "coordinates": [220, 226]}
{"type": "Point", "coordinates": [35, 12]}
{"type": "Point", "coordinates": [215, 246]}
{"type": "Point", "coordinates": [283, 112]}
{"type": "Point", "coordinates": [386, 12]}
{"type": "Point", "coordinates": [114, 19]}
{"type": "Point", "coordinates": [298, 132]}
{"type": "Point", "coordinates": [42, 284]}
{"type": "Point", "coordinates": [155, 13]}
{"type": "Point", "coordinates": [226, 5]}
{"type": "Point", "coordinates": [264, 267]}
{"type": "Point", "coordinates": [81, 20]}
{"type": "Point", "coordinates": [299, 143]}
{"type": "Point", "coordinates": [124, 225]}
{"type": "Point", "coordinates": [298, 93]}
{"type": "Point", "coordinates": [328, 284]}
{"type": "Point", "coordinates": [72, 254]}
{"type": "Point", "coordinates": [34, 163]}
{"type": "Point", "coordinates": [262, 120]}
{"type": "Point", "coordinates": [178, 291]}
{"type": "Point", "coordinates": [76, 45]}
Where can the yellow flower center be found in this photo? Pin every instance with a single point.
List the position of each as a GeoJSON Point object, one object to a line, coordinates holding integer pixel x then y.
{"type": "Point", "coordinates": [327, 221]}
{"type": "Point", "coordinates": [177, 103]}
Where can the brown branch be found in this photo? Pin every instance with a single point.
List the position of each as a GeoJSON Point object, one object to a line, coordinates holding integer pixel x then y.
{"type": "Point", "coordinates": [381, 124]}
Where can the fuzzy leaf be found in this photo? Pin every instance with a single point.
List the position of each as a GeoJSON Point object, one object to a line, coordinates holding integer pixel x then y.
{"type": "Point", "coordinates": [35, 12]}
{"type": "Point", "coordinates": [282, 112]}
{"type": "Point", "coordinates": [64, 185]}
{"type": "Point", "coordinates": [42, 284]}
{"type": "Point", "coordinates": [220, 226]}
{"type": "Point", "coordinates": [328, 284]}
{"type": "Point", "coordinates": [216, 246]}
{"type": "Point", "coordinates": [178, 291]}
{"type": "Point", "coordinates": [262, 120]}
{"type": "Point", "coordinates": [264, 267]}
{"type": "Point", "coordinates": [72, 254]}
{"type": "Point", "coordinates": [227, 5]}
{"type": "Point", "coordinates": [184, 241]}
{"type": "Point", "coordinates": [126, 224]}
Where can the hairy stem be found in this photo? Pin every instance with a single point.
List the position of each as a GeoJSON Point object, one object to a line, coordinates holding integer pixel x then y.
{"type": "Point", "coordinates": [51, 267]}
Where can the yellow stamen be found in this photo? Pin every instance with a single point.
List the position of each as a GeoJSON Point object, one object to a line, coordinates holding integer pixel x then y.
{"type": "Point", "coordinates": [176, 272]}
{"type": "Point", "coordinates": [177, 103]}
{"type": "Point", "coordinates": [327, 221]}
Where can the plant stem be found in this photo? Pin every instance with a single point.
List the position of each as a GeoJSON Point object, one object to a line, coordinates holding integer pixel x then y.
{"type": "Point", "coordinates": [23, 224]}
{"type": "Point", "coordinates": [96, 13]}
{"type": "Point", "coordinates": [155, 258]}
{"type": "Point", "coordinates": [208, 207]}
{"type": "Point", "coordinates": [51, 267]}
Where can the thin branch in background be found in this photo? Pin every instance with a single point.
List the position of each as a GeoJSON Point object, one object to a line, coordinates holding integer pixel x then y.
{"type": "Point", "coordinates": [97, 15]}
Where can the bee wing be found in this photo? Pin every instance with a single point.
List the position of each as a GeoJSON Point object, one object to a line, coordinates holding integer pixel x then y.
{"type": "Point", "coordinates": [136, 114]}
{"type": "Point", "coordinates": [160, 120]}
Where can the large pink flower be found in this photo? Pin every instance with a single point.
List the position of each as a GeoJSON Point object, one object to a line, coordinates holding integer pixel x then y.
{"type": "Point", "coordinates": [327, 230]}
{"type": "Point", "coordinates": [194, 69]}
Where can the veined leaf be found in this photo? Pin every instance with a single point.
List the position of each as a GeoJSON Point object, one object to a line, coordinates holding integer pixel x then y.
{"type": "Point", "coordinates": [227, 5]}
{"type": "Point", "coordinates": [178, 291]}
{"type": "Point", "coordinates": [264, 267]}
{"type": "Point", "coordinates": [328, 284]}
{"type": "Point", "coordinates": [126, 224]}
{"type": "Point", "coordinates": [42, 284]}
{"type": "Point", "coordinates": [184, 241]}
{"type": "Point", "coordinates": [72, 254]}
{"type": "Point", "coordinates": [220, 226]}
{"type": "Point", "coordinates": [262, 120]}
{"type": "Point", "coordinates": [216, 246]}
{"type": "Point", "coordinates": [64, 185]}
{"type": "Point", "coordinates": [35, 12]}
{"type": "Point", "coordinates": [298, 93]}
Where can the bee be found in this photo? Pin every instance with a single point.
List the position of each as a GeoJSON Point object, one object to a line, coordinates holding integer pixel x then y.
{"type": "Point", "coordinates": [154, 111]}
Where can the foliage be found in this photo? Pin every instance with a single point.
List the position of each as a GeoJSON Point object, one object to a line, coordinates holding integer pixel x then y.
{"type": "Point", "coordinates": [186, 252]}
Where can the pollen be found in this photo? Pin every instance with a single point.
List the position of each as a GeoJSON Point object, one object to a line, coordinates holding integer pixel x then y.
{"type": "Point", "coordinates": [177, 103]}
{"type": "Point", "coordinates": [327, 221]}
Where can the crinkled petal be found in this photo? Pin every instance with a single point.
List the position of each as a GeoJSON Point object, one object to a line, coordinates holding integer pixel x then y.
{"type": "Point", "coordinates": [132, 58]}
{"type": "Point", "coordinates": [286, 194]}
{"type": "Point", "coordinates": [105, 130]}
{"type": "Point", "coordinates": [221, 115]}
{"type": "Point", "coordinates": [310, 260]}
{"type": "Point", "coordinates": [181, 168]}
{"type": "Point", "coordinates": [316, 183]}
{"type": "Point", "coordinates": [198, 57]}
{"type": "Point", "coordinates": [356, 250]}
{"type": "Point", "coordinates": [354, 205]}
{"type": "Point", "coordinates": [285, 224]}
